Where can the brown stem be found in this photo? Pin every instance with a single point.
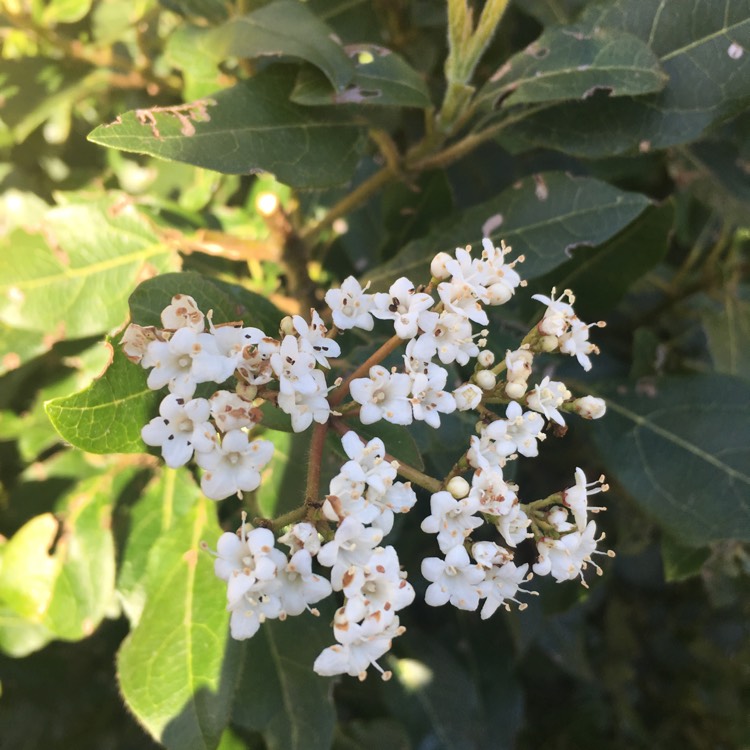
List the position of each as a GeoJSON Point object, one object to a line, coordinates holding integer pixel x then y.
{"type": "Point", "coordinates": [314, 461]}
{"type": "Point", "coordinates": [275, 524]}
{"type": "Point", "coordinates": [340, 394]}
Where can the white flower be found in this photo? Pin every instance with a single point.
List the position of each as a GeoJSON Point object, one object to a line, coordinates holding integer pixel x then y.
{"type": "Point", "coordinates": [250, 553]}
{"type": "Point", "coordinates": [512, 526]}
{"type": "Point", "coordinates": [350, 306]}
{"type": "Point", "coordinates": [255, 364]}
{"type": "Point", "coordinates": [491, 492]}
{"type": "Point", "coordinates": [305, 408]}
{"type": "Point", "coordinates": [294, 368]}
{"type": "Point", "coordinates": [467, 396]}
{"type": "Point", "coordinates": [187, 359]}
{"type": "Point", "coordinates": [454, 580]}
{"type": "Point", "coordinates": [566, 558]}
{"type": "Point", "coordinates": [359, 646]}
{"type": "Point", "coordinates": [518, 365]}
{"type": "Point", "coordinates": [464, 293]}
{"type": "Point", "coordinates": [483, 453]}
{"type": "Point", "coordinates": [234, 466]}
{"type": "Point", "coordinates": [250, 611]}
{"type": "Point", "coordinates": [232, 412]}
{"type": "Point", "coordinates": [558, 315]}
{"type": "Point", "coordinates": [575, 342]}
{"type": "Point", "coordinates": [233, 340]}
{"type": "Point", "coordinates": [452, 520]}
{"type": "Point", "coordinates": [488, 554]}
{"type": "Point", "coordinates": [300, 587]}
{"type": "Point", "coordinates": [575, 497]}
{"type": "Point", "coordinates": [367, 462]}
{"type": "Point", "coordinates": [429, 399]}
{"type": "Point", "coordinates": [448, 335]}
{"type": "Point", "coordinates": [312, 338]}
{"type": "Point", "coordinates": [135, 341]}
{"type": "Point", "coordinates": [501, 584]}
{"type": "Point", "coordinates": [378, 586]}
{"type": "Point", "coordinates": [302, 536]}
{"type": "Point", "coordinates": [346, 498]}
{"type": "Point", "coordinates": [352, 544]}
{"type": "Point", "coordinates": [182, 428]}
{"type": "Point", "coordinates": [383, 395]}
{"type": "Point", "coordinates": [500, 278]}
{"type": "Point", "coordinates": [518, 433]}
{"type": "Point", "coordinates": [558, 519]}
{"type": "Point", "coordinates": [401, 304]}
{"type": "Point", "coordinates": [399, 498]}
{"type": "Point", "coordinates": [546, 397]}
{"type": "Point", "coordinates": [183, 312]}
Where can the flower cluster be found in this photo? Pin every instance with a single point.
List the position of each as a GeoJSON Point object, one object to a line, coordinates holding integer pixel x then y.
{"type": "Point", "coordinates": [476, 513]}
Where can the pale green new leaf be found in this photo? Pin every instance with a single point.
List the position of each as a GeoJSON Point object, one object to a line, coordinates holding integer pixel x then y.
{"type": "Point", "coordinates": [107, 417]}
{"type": "Point", "coordinates": [245, 129]}
{"type": "Point", "coordinates": [380, 77]}
{"type": "Point", "coordinates": [60, 574]}
{"type": "Point", "coordinates": [178, 668]}
{"type": "Point", "coordinates": [572, 62]}
{"type": "Point", "coordinates": [542, 218]}
{"type": "Point", "coordinates": [74, 279]}
{"type": "Point", "coordinates": [279, 695]}
{"type": "Point", "coordinates": [281, 28]}
{"type": "Point", "coordinates": [681, 448]}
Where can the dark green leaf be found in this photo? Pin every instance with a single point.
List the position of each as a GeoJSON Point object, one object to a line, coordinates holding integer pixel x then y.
{"type": "Point", "coordinates": [380, 77]}
{"type": "Point", "coordinates": [543, 218]}
{"type": "Point", "coordinates": [701, 45]}
{"type": "Point", "coordinates": [229, 302]}
{"type": "Point", "coordinates": [552, 12]}
{"type": "Point", "coordinates": [681, 562]}
{"type": "Point", "coordinates": [727, 327]}
{"type": "Point", "coordinates": [107, 417]}
{"type": "Point", "coordinates": [279, 695]}
{"type": "Point", "coordinates": [248, 128]}
{"type": "Point", "coordinates": [283, 481]}
{"type": "Point", "coordinates": [397, 440]}
{"type": "Point", "coordinates": [680, 446]}
{"type": "Point", "coordinates": [178, 668]}
{"type": "Point", "coordinates": [572, 62]}
{"type": "Point", "coordinates": [281, 28]}
{"type": "Point", "coordinates": [601, 277]}
{"type": "Point", "coordinates": [70, 283]}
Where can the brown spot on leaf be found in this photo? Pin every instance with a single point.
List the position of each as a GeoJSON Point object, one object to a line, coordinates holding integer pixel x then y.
{"type": "Point", "coordinates": [191, 557]}
{"type": "Point", "coordinates": [11, 361]}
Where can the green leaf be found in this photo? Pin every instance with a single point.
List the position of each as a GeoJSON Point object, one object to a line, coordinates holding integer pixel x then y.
{"type": "Point", "coordinates": [727, 327]}
{"type": "Point", "coordinates": [201, 75]}
{"type": "Point", "coordinates": [700, 45]}
{"type": "Point", "coordinates": [74, 280]}
{"type": "Point", "coordinates": [681, 562]}
{"type": "Point", "coordinates": [380, 77]}
{"type": "Point", "coordinates": [551, 12]}
{"type": "Point", "coordinates": [283, 481]}
{"type": "Point", "coordinates": [178, 668]}
{"type": "Point", "coordinates": [168, 497]}
{"type": "Point", "coordinates": [281, 28]}
{"type": "Point", "coordinates": [543, 217]}
{"type": "Point", "coordinates": [248, 128]}
{"type": "Point", "coordinates": [601, 277]}
{"type": "Point", "coordinates": [680, 446]}
{"type": "Point", "coordinates": [61, 575]}
{"type": "Point", "coordinates": [18, 636]}
{"type": "Point", "coordinates": [228, 301]}
{"type": "Point", "coordinates": [65, 11]}
{"type": "Point", "coordinates": [572, 62]}
{"type": "Point", "coordinates": [107, 417]}
{"type": "Point", "coordinates": [279, 695]}
{"type": "Point", "coordinates": [18, 346]}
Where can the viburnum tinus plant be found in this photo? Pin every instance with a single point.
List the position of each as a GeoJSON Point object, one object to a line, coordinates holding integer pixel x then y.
{"type": "Point", "coordinates": [336, 539]}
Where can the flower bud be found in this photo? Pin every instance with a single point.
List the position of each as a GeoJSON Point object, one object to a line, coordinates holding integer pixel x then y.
{"type": "Point", "coordinates": [486, 358]}
{"type": "Point", "coordinates": [518, 364]}
{"type": "Point", "coordinates": [248, 392]}
{"type": "Point", "coordinates": [287, 326]}
{"type": "Point", "coordinates": [590, 407]}
{"type": "Point", "coordinates": [548, 343]}
{"type": "Point", "coordinates": [438, 266]}
{"type": "Point", "coordinates": [458, 487]}
{"type": "Point", "coordinates": [486, 380]}
{"type": "Point", "coordinates": [515, 390]}
{"type": "Point", "coordinates": [467, 397]}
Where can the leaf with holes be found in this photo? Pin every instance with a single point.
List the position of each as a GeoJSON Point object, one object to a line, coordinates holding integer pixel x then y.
{"type": "Point", "coordinates": [542, 217]}
{"type": "Point", "coordinates": [702, 47]}
{"type": "Point", "coordinates": [178, 668]}
{"type": "Point", "coordinates": [380, 77]}
{"type": "Point", "coordinates": [245, 129]}
{"type": "Point", "coordinates": [681, 447]}
{"type": "Point", "coordinates": [573, 62]}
